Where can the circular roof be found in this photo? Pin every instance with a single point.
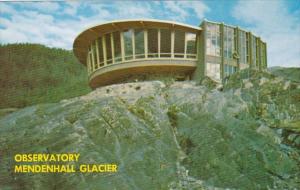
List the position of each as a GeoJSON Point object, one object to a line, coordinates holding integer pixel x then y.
{"type": "Point", "coordinates": [84, 39]}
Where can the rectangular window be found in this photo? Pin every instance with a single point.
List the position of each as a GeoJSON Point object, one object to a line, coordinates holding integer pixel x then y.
{"type": "Point", "coordinates": [179, 43]}
{"type": "Point", "coordinates": [232, 69]}
{"type": "Point", "coordinates": [228, 69]}
{"type": "Point", "coordinates": [213, 46]}
{"type": "Point", "coordinates": [139, 43]}
{"type": "Point", "coordinates": [165, 43]}
{"type": "Point", "coordinates": [228, 42]}
{"type": "Point", "coordinates": [152, 43]}
{"type": "Point", "coordinates": [248, 46]}
{"type": "Point", "coordinates": [242, 47]}
{"type": "Point", "coordinates": [128, 47]}
{"type": "Point", "coordinates": [213, 70]}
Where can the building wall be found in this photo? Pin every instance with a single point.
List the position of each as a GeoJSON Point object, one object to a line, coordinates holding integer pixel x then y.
{"type": "Point", "coordinates": [226, 49]}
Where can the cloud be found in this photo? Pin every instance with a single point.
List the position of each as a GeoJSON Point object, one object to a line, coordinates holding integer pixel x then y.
{"type": "Point", "coordinates": [56, 24]}
{"type": "Point", "coordinates": [276, 25]}
{"type": "Point", "coordinates": [46, 7]}
{"type": "Point", "coordinates": [181, 10]}
{"type": "Point", "coordinates": [4, 8]}
{"type": "Point", "coordinates": [71, 7]}
{"type": "Point", "coordinates": [35, 27]}
{"type": "Point", "coordinates": [133, 9]}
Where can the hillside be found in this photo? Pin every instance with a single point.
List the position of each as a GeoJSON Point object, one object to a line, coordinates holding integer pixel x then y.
{"type": "Point", "coordinates": [176, 135]}
{"type": "Point", "coordinates": [32, 74]}
{"type": "Point", "coordinates": [288, 73]}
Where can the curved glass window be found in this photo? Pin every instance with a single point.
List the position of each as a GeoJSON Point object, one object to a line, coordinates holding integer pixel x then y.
{"type": "Point", "coordinates": [100, 51]}
{"type": "Point", "coordinates": [190, 45]}
{"type": "Point", "coordinates": [139, 43]}
{"type": "Point", "coordinates": [213, 40]}
{"type": "Point", "coordinates": [117, 47]}
{"type": "Point", "coordinates": [152, 43]}
{"type": "Point", "coordinates": [179, 43]}
{"type": "Point", "coordinates": [165, 43]}
{"type": "Point", "coordinates": [128, 48]}
{"type": "Point", "coordinates": [108, 49]}
{"type": "Point", "coordinates": [89, 61]}
{"type": "Point", "coordinates": [94, 55]}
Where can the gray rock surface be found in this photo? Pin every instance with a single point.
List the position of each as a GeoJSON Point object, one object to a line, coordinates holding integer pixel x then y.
{"type": "Point", "coordinates": [180, 135]}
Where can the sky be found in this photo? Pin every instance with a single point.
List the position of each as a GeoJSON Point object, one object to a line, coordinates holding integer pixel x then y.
{"type": "Point", "coordinates": [57, 23]}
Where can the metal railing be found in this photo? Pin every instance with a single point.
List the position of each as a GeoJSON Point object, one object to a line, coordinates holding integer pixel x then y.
{"type": "Point", "coordinates": [141, 57]}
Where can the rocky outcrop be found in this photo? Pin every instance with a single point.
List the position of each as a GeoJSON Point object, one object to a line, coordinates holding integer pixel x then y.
{"type": "Point", "coordinates": [179, 135]}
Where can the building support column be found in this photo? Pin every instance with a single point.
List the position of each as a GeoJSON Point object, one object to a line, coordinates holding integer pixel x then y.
{"type": "Point", "coordinates": [133, 44]}
{"type": "Point", "coordinates": [146, 43]}
{"type": "Point", "coordinates": [185, 44]}
{"type": "Point", "coordinates": [237, 47]}
{"type": "Point", "coordinates": [104, 50]}
{"type": "Point", "coordinates": [93, 57]}
{"type": "Point", "coordinates": [259, 53]}
{"type": "Point", "coordinates": [222, 50]}
{"type": "Point", "coordinates": [204, 48]}
{"type": "Point", "coordinates": [112, 48]}
{"type": "Point", "coordinates": [158, 42]}
{"type": "Point", "coordinates": [250, 50]}
{"type": "Point", "coordinates": [97, 53]}
{"type": "Point", "coordinates": [172, 43]}
{"type": "Point", "coordinates": [266, 59]}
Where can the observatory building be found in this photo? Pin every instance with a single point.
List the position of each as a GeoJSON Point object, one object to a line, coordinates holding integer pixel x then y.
{"type": "Point", "coordinates": [118, 50]}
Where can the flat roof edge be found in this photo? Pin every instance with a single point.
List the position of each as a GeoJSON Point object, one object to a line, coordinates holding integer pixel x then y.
{"type": "Point", "coordinates": [136, 20]}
